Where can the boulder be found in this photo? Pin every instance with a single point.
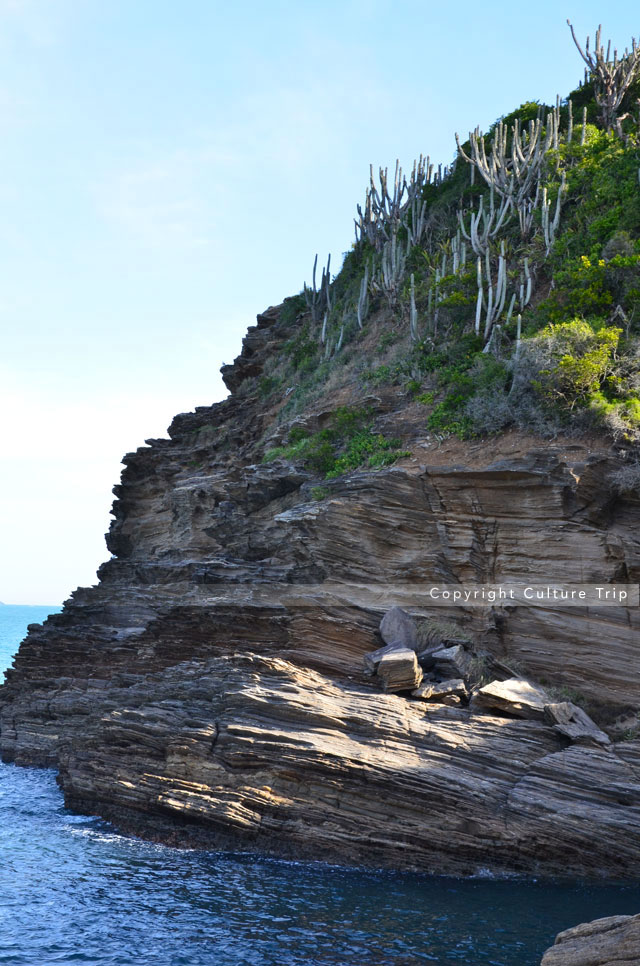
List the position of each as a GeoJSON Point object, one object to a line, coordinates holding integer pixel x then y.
{"type": "Point", "coordinates": [451, 662]}
{"type": "Point", "coordinates": [397, 625]}
{"type": "Point", "coordinates": [373, 658]}
{"type": "Point", "coordinates": [439, 692]}
{"type": "Point", "coordinates": [575, 724]}
{"type": "Point", "coordinates": [614, 941]}
{"type": "Point", "coordinates": [399, 670]}
{"type": "Point", "coordinates": [515, 697]}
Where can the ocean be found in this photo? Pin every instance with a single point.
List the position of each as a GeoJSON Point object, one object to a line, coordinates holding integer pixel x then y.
{"type": "Point", "coordinates": [74, 891]}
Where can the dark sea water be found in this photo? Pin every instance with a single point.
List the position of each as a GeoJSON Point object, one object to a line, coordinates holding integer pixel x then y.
{"type": "Point", "coordinates": [73, 891]}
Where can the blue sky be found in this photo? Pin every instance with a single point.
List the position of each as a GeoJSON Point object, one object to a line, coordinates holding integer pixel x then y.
{"type": "Point", "coordinates": [170, 169]}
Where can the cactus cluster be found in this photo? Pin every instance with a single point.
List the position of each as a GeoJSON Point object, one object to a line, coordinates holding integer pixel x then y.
{"type": "Point", "coordinates": [510, 214]}
{"type": "Point", "coordinates": [611, 78]}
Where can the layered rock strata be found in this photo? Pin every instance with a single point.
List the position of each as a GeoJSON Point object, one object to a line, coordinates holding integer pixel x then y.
{"type": "Point", "coordinates": [215, 674]}
{"type": "Point", "coordinates": [291, 762]}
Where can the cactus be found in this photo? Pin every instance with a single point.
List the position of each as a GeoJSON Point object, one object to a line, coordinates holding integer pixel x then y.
{"type": "Point", "coordinates": [392, 269]}
{"type": "Point", "coordinates": [413, 312]}
{"type": "Point", "coordinates": [363, 298]}
{"type": "Point", "coordinates": [550, 226]}
{"type": "Point", "coordinates": [494, 299]}
{"type": "Point", "coordinates": [485, 225]}
{"type": "Point", "coordinates": [570, 123]}
{"type": "Point", "coordinates": [514, 175]}
{"type": "Point", "coordinates": [611, 78]}
{"type": "Point", "coordinates": [319, 300]}
{"type": "Point", "coordinates": [525, 294]}
{"type": "Point", "coordinates": [384, 210]}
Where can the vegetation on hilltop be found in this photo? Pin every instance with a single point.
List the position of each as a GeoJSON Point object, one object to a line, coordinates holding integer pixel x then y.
{"type": "Point", "coordinates": [503, 290]}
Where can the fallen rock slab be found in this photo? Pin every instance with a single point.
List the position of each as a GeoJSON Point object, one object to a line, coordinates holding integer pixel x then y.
{"type": "Point", "coordinates": [516, 697]}
{"type": "Point", "coordinates": [574, 723]}
{"type": "Point", "coordinates": [399, 671]}
{"type": "Point", "coordinates": [397, 625]}
{"type": "Point", "coordinates": [451, 662]}
{"type": "Point", "coordinates": [438, 692]}
{"type": "Point", "coordinates": [614, 941]}
{"type": "Point", "coordinates": [373, 658]}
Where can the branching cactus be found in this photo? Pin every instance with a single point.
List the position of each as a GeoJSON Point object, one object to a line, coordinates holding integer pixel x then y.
{"type": "Point", "coordinates": [382, 210]}
{"type": "Point", "coordinates": [492, 300]}
{"type": "Point", "coordinates": [611, 78]}
{"type": "Point", "coordinates": [485, 225]}
{"type": "Point", "coordinates": [392, 270]}
{"type": "Point", "coordinates": [514, 174]}
{"type": "Point", "coordinates": [414, 220]}
{"type": "Point", "coordinates": [390, 275]}
{"type": "Point", "coordinates": [385, 207]}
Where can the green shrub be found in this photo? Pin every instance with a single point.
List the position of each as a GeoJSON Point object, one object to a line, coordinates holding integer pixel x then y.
{"type": "Point", "coordinates": [581, 290]}
{"type": "Point", "coordinates": [580, 360]}
{"type": "Point", "coordinates": [267, 385]}
{"type": "Point", "coordinates": [345, 445]}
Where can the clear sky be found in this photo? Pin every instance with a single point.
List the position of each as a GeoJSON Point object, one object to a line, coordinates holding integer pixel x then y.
{"type": "Point", "coordinates": [169, 169]}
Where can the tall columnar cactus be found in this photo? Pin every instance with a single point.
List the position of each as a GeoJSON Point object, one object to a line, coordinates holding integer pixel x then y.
{"type": "Point", "coordinates": [385, 209]}
{"type": "Point", "coordinates": [363, 298]}
{"type": "Point", "coordinates": [318, 299]}
{"type": "Point", "coordinates": [526, 212]}
{"type": "Point", "coordinates": [526, 283]}
{"type": "Point", "coordinates": [485, 225]}
{"type": "Point", "coordinates": [413, 312]}
{"type": "Point", "coordinates": [382, 209]}
{"type": "Point", "coordinates": [392, 270]}
{"type": "Point", "coordinates": [513, 171]}
{"type": "Point", "coordinates": [493, 300]}
{"type": "Point", "coordinates": [611, 78]}
{"type": "Point", "coordinates": [414, 220]}
{"type": "Point", "coordinates": [550, 225]}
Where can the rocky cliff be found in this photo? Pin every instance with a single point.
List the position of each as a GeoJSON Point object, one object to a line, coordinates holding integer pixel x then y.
{"type": "Point", "coordinates": [211, 687]}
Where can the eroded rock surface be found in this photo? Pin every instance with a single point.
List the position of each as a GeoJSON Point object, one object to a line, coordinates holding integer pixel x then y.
{"type": "Point", "coordinates": [283, 759]}
{"type": "Point", "coordinates": [139, 692]}
{"type": "Point", "coordinates": [614, 941]}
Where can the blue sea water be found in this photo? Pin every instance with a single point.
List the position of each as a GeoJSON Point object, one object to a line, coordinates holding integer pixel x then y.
{"type": "Point", "coordinates": [73, 891]}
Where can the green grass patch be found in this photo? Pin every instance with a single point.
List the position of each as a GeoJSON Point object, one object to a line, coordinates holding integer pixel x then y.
{"type": "Point", "coordinates": [347, 444]}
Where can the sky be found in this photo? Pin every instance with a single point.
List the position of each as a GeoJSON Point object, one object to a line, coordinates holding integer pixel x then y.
{"type": "Point", "coordinates": [167, 171]}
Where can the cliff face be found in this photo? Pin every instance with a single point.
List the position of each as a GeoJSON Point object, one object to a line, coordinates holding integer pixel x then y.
{"type": "Point", "coordinates": [212, 682]}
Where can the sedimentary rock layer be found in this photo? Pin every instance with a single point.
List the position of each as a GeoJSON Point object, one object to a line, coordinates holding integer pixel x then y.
{"type": "Point", "coordinates": [217, 556]}
{"type": "Point", "coordinates": [287, 759]}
